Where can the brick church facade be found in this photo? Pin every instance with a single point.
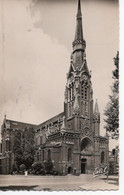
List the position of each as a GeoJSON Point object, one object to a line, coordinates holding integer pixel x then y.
{"type": "Point", "coordinates": [71, 140]}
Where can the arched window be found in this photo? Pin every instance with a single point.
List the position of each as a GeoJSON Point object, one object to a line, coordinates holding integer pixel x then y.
{"type": "Point", "coordinates": [86, 107]}
{"type": "Point", "coordinates": [86, 144]}
{"type": "Point", "coordinates": [102, 156]}
{"type": "Point", "coordinates": [69, 154]}
{"type": "Point", "coordinates": [49, 155]}
{"type": "Point", "coordinates": [82, 89]}
{"type": "Point", "coordinates": [69, 110]}
{"type": "Point", "coordinates": [72, 91]}
{"type": "Point", "coordinates": [70, 96]}
{"type": "Point", "coordinates": [113, 151]}
{"type": "Point", "coordinates": [37, 156]}
{"type": "Point", "coordinates": [85, 92]}
{"type": "Point", "coordinates": [82, 107]}
{"type": "Point", "coordinates": [7, 145]}
{"type": "Point", "coordinates": [43, 155]}
{"type": "Point", "coordinates": [41, 139]}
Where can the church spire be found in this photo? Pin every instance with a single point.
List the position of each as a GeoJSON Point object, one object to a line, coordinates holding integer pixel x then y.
{"type": "Point", "coordinates": [78, 40]}
{"type": "Point", "coordinates": [96, 109]}
{"type": "Point", "coordinates": [79, 9]}
{"type": "Point", "coordinates": [79, 31]}
{"type": "Point", "coordinates": [79, 44]}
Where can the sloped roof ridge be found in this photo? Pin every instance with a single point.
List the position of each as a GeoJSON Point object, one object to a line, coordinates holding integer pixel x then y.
{"type": "Point", "coordinates": [51, 119]}
{"type": "Point", "coordinates": [21, 122]}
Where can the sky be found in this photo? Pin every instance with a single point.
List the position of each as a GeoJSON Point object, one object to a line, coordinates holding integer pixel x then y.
{"type": "Point", "coordinates": [35, 48]}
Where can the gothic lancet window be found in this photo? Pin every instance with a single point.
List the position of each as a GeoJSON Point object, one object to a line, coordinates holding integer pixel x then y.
{"type": "Point", "coordinates": [72, 91]}
{"type": "Point", "coordinates": [70, 95]}
{"type": "Point", "coordinates": [49, 155]}
{"type": "Point", "coordinates": [69, 154]}
{"type": "Point", "coordinates": [7, 145]}
{"type": "Point", "coordinates": [85, 92]}
{"type": "Point", "coordinates": [69, 110]}
{"type": "Point", "coordinates": [86, 107]}
{"type": "Point", "coordinates": [102, 157]}
{"type": "Point", "coordinates": [38, 156]}
{"type": "Point", "coordinates": [43, 155]}
{"type": "Point", "coordinates": [82, 89]}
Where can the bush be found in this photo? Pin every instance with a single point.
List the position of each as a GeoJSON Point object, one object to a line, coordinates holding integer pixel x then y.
{"type": "Point", "coordinates": [55, 172]}
{"type": "Point", "coordinates": [49, 167]}
{"type": "Point", "coordinates": [22, 167]}
{"type": "Point", "coordinates": [40, 172]}
{"type": "Point", "coordinates": [38, 168]}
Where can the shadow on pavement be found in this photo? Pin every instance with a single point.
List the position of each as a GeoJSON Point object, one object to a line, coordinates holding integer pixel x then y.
{"type": "Point", "coordinates": [111, 180]}
{"type": "Point", "coordinates": [27, 188]}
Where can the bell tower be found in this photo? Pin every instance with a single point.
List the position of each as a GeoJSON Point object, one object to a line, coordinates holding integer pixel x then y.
{"type": "Point", "coordinates": [78, 103]}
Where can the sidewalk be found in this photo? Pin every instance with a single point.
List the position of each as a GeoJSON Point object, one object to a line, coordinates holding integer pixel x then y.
{"type": "Point", "coordinates": [101, 183]}
{"type": "Point", "coordinates": [51, 183]}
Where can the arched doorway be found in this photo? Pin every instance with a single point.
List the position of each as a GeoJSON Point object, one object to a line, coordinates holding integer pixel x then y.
{"type": "Point", "coordinates": [86, 156]}
{"type": "Point", "coordinates": [69, 170]}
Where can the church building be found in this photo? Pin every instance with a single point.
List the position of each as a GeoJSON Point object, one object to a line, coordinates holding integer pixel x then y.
{"type": "Point", "coordinates": [71, 140]}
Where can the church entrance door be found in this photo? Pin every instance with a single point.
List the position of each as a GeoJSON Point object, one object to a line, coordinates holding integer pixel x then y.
{"type": "Point", "coordinates": [83, 165]}
{"type": "Point", "coordinates": [69, 170]}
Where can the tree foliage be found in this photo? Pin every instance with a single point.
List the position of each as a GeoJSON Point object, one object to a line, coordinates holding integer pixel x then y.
{"type": "Point", "coordinates": [22, 167]}
{"type": "Point", "coordinates": [112, 109]}
{"type": "Point", "coordinates": [37, 166]}
{"type": "Point", "coordinates": [24, 147]}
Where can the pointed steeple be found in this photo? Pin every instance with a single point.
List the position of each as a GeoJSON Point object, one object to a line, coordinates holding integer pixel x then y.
{"type": "Point", "coordinates": [79, 31]}
{"type": "Point", "coordinates": [79, 43]}
{"type": "Point", "coordinates": [79, 9]}
{"type": "Point", "coordinates": [63, 128]}
{"type": "Point", "coordinates": [78, 40]}
{"type": "Point", "coordinates": [96, 109]}
{"type": "Point", "coordinates": [96, 119]}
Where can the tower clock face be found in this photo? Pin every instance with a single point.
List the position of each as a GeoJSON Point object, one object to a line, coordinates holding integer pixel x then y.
{"type": "Point", "coordinates": [84, 77]}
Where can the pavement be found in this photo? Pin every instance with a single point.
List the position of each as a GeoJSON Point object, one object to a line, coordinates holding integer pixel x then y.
{"type": "Point", "coordinates": [57, 183]}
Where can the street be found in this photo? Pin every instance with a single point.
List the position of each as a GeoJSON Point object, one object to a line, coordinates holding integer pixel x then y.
{"type": "Point", "coordinates": [69, 182]}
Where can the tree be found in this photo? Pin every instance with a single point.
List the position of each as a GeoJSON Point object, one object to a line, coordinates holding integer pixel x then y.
{"type": "Point", "coordinates": [17, 149]}
{"type": "Point", "coordinates": [38, 167]}
{"type": "Point", "coordinates": [28, 154]}
{"type": "Point", "coordinates": [112, 109]}
{"type": "Point", "coordinates": [24, 147]}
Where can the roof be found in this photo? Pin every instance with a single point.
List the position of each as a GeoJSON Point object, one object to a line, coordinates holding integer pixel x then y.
{"type": "Point", "coordinates": [11, 124]}
{"type": "Point", "coordinates": [18, 125]}
{"type": "Point", "coordinates": [51, 120]}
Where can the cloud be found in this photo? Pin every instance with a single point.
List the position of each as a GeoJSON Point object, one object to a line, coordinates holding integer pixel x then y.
{"type": "Point", "coordinates": [34, 62]}
{"type": "Point", "coordinates": [37, 45]}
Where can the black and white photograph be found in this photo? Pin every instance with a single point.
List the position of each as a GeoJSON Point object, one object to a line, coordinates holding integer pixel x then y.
{"type": "Point", "coordinates": [59, 95]}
